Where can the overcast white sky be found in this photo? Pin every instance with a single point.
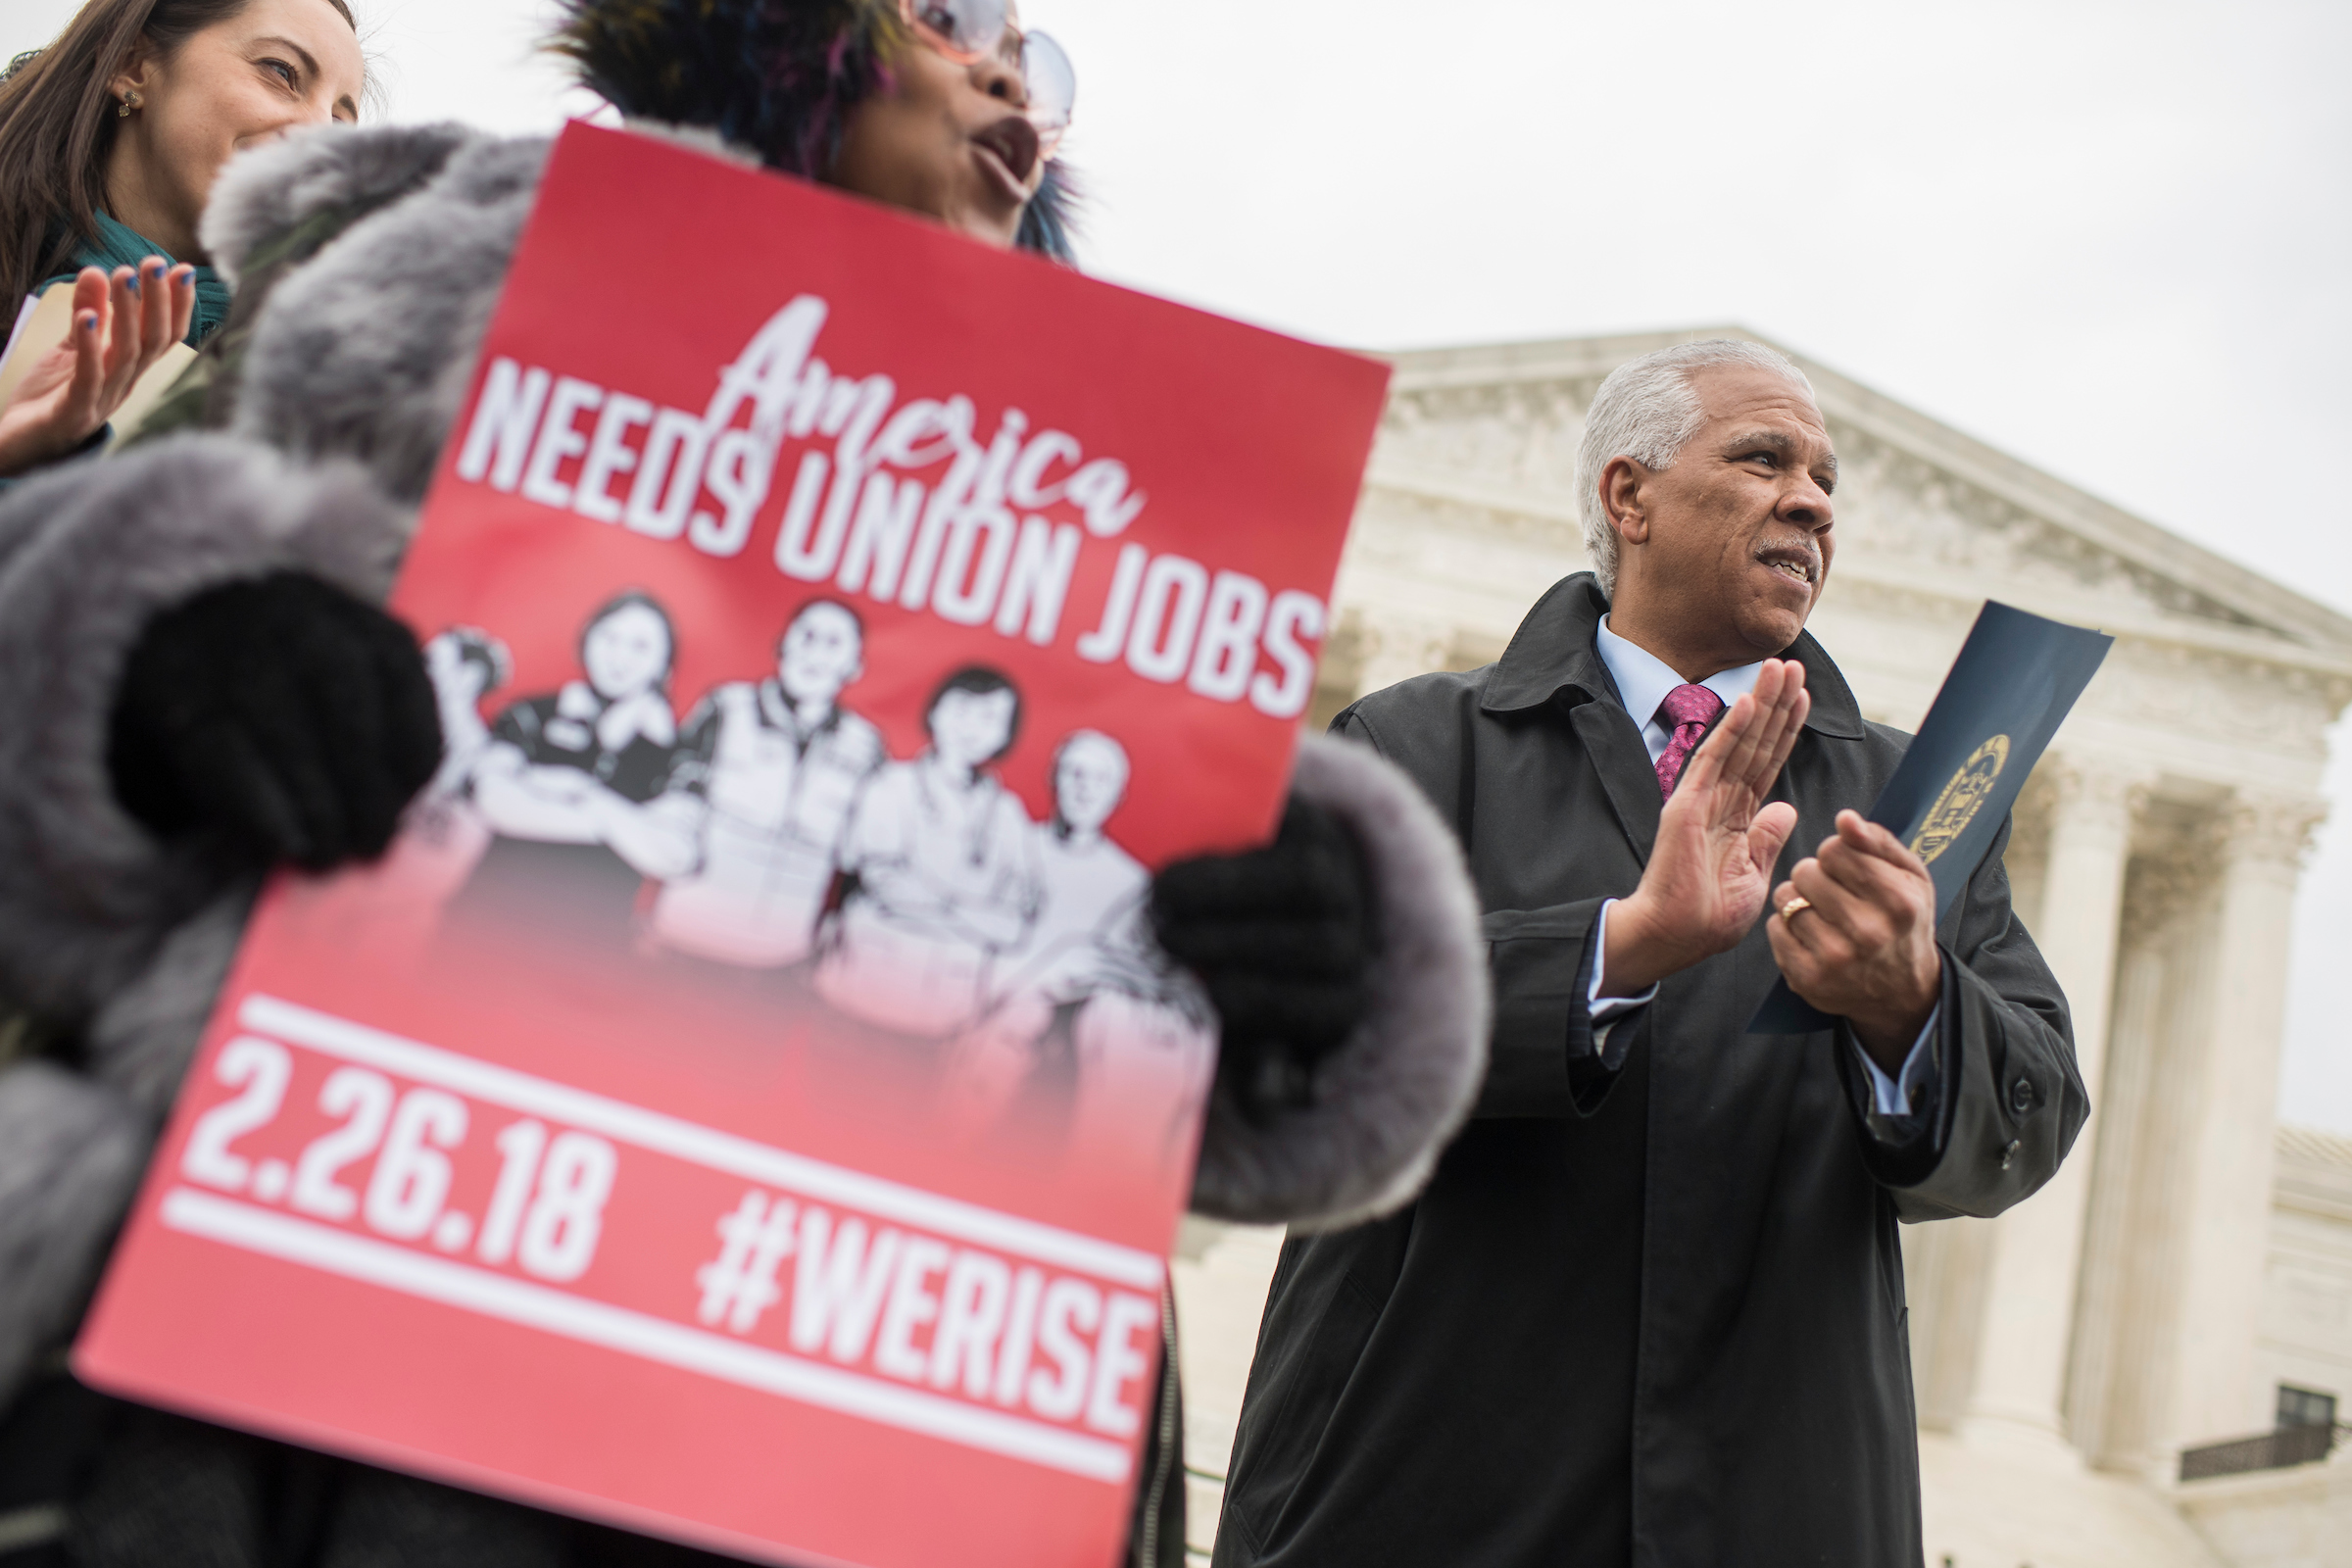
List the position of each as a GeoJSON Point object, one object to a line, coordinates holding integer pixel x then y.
{"type": "Point", "coordinates": [2110, 238]}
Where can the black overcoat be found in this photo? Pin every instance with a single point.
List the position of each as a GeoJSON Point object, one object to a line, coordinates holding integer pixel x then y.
{"type": "Point", "coordinates": [1649, 1311]}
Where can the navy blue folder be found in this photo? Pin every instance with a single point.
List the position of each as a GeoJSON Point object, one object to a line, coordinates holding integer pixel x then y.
{"type": "Point", "coordinates": [2015, 681]}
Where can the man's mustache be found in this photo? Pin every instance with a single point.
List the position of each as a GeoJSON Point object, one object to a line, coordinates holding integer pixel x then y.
{"type": "Point", "coordinates": [1804, 552]}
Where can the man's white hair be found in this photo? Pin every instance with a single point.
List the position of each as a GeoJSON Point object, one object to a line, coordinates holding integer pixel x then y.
{"type": "Point", "coordinates": [1647, 411]}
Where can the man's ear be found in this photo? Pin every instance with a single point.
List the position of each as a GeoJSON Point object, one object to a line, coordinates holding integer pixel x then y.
{"type": "Point", "coordinates": [1622, 484]}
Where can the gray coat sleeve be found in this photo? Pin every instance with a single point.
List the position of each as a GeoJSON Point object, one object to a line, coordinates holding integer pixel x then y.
{"type": "Point", "coordinates": [73, 1143]}
{"type": "Point", "coordinates": [89, 553]}
{"type": "Point", "coordinates": [1391, 1098]}
{"type": "Point", "coordinates": [365, 351]}
{"type": "Point", "coordinates": [124, 938]}
{"type": "Point", "coordinates": [2007, 1101]}
{"type": "Point", "coordinates": [70, 1153]}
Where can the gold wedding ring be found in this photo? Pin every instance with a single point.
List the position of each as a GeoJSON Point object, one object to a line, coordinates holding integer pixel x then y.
{"type": "Point", "coordinates": [1795, 907]}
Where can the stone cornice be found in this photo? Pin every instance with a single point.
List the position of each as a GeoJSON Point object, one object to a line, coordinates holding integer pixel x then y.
{"type": "Point", "coordinates": [2275, 829]}
{"type": "Point", "coordinates": [2083, 607]}
{"type": "Point", "coordinates": [2105, 787]}
{"type": "Point", "coordinates": [2325, 633]}
{"type": "Point", "coordinates": [2305, 1197]}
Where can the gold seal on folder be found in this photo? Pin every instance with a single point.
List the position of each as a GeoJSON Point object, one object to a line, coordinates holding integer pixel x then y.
{"type": "Point", "coordinates": [1962, 798]}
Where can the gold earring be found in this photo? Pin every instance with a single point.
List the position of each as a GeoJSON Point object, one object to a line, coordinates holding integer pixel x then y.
{"type": "Point", "coordinates": [130, 101]}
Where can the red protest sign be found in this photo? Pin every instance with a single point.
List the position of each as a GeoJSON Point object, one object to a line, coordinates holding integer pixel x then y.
{"type": "Point", "coordinates": [747, 1105]}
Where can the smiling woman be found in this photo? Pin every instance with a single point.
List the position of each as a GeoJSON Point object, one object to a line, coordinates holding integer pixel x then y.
{"type": "Point", "coordinates": [110, 141]}
{"type": "Point", "coordinates": [110, 137]}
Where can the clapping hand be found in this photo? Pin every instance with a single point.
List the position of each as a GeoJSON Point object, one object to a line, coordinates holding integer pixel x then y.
{"type": "Point", "coordinates": [1717, 841]}
{"type": "Point", "coordinates": [1859, 936]}
{"type": "Point", "coordinates": [120, 327]}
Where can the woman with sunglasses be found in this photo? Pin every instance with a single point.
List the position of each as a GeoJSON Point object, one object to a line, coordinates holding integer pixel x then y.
{"type": "Point", "coordinates": [201, 687]}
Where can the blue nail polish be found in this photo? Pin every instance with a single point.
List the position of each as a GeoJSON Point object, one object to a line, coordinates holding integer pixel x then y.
{"type": "Point", "coordinates": [134, 284]}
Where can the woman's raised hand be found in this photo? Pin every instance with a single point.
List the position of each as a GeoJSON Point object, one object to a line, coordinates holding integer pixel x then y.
{"type": "Point", "coordinates": [120, 327]}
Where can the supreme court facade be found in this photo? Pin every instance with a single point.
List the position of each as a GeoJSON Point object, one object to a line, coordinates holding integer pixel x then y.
{"type": "Point", "coordinates": [2086, 1339]}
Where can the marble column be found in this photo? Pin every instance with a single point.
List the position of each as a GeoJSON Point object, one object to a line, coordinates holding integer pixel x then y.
{"type": "Point", "coordinates": [1397, 648]}
{"type": "Point", "coordinates": [2232, 1101]}
{"type": "Point", "coordinates": [2017, 1393]}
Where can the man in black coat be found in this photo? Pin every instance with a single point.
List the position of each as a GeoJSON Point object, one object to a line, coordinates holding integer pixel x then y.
{"type": "Point", "coordinates": [1650, 1310]}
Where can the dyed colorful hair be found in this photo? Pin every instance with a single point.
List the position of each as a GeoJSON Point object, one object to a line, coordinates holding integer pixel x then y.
{"type": "Point", "coordinates": [779, 76]}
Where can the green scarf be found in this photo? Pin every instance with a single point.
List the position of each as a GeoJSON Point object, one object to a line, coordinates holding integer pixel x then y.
{"type": "Point", "coordinates": [120, 245]}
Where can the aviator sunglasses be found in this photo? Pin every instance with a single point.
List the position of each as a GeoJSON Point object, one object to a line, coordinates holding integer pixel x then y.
{"type": "Point", "coordinates": [971, 31]}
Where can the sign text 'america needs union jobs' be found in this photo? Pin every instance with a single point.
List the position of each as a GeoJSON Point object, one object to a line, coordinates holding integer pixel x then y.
{"type": "Point", "coordinates": [907, 505]}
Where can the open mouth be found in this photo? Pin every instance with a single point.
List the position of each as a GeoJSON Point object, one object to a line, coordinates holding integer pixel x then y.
{"type": "Point", "coordinates": [1011, 144]}
{"type": "Point", "coordinates": [1798, 566]}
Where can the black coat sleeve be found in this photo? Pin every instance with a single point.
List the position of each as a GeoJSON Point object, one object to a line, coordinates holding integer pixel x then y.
{"type": "Point", "coordinates": [1542, 1057]}
{"type": "Point", "coordinates": [2007, 1101]}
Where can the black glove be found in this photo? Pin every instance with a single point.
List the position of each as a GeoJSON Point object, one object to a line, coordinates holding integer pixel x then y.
{"type": "Point", "coordinates": [282, 715]}
{"type": "Point", "coordinates": [1283, 936]}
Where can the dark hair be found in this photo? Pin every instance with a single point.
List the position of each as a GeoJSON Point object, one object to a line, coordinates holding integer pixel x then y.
{"type": "Point", "coordinates": [800, 615]}
{"type": "Point", "coordinates": [632, 599]}
{"type": "Point", "coordinates": [980, 681]}
{"type": "Point", "coordinates": [779, 76]}
{"type": "Point", "coordinates": [484, 653]}
{"type": "Point", "coordinates": [58, 123]}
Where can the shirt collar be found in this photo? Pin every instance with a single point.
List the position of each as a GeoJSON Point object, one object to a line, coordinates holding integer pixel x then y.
{"type": "Point", "coordinates": [1556, 650]}
{"type": "Point", "coordinates": [1643, 679]}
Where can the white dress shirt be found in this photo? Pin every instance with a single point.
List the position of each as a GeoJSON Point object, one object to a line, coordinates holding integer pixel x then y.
{"type": "Point", "coordinates": [1644, 680]}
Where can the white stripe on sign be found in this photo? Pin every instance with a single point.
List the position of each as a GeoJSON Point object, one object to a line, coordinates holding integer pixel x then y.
{"type": "Point", "coordinates": [616, 1328]}
{"type": "Point", "coordinates": [702, 1146]}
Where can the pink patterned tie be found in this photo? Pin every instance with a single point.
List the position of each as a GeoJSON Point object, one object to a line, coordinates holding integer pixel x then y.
{"type": "Point", "coordinates": [1690, 709]}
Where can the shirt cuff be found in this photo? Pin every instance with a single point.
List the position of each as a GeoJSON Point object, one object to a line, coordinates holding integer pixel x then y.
{"type": "Point", "coordinates": [1895, 1097]}
{"type": "Point", "coordinates": [1601, 1008]}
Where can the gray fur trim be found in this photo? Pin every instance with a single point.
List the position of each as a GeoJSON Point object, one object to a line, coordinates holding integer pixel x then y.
{"type": "Point", "coordinates": [263, 192]}
{"type": "Point", "coordinates": [365, 351]}
{"type": "Point", "coordinates": [89, 553]}
{"type": "Point", "coordinates": [1387, 1101]}
{"type": "Point", "coordinates": [70, 1156]}
{"type": "Point", "coordinates": [141, 1041]}
{"type": "Point", "coordinates": [72, 1150]}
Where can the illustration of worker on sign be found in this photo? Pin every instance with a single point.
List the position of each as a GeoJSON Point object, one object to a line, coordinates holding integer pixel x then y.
{"type": "Point", "coordinates": [1087, 1013]}
{"type": "Point", "coordinates": [1090, 930]}
{"type": "Point", "coordinates": [766, 777]}
{"type": "Point", "coordinates": [939, 871]}
{"type": "Point", "coordinates": [566, 782]}
{"type": "Point", "coordinates": [444, 834]}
